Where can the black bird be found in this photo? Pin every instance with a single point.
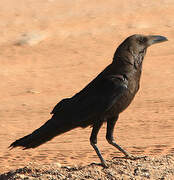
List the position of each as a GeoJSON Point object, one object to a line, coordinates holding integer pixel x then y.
{"type": "Point", "coordinates": [102, 100]}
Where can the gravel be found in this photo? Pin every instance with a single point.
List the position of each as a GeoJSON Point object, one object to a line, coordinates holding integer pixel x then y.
{"type": "Point", "coordinates": [146, 168]}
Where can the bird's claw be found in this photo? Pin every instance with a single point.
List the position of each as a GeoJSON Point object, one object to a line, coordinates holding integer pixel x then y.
{"type": "Point", "coordinates": [104, 164]}
{"type": "Point", "coordinates": [134, 157]}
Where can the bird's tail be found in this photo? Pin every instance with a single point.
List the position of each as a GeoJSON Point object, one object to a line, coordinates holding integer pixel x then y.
{"type": "Point", "coordinates": [43, 134]}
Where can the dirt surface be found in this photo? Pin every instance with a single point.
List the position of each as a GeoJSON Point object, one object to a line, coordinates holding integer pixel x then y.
{"type": "Point", "coordinates": [51, 49]}
{"type": "Point", "coordinates": [118, 169]}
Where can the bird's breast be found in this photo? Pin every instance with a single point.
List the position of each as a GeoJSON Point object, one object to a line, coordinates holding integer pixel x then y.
{"type": "Point", "coordinates": [127, 97]}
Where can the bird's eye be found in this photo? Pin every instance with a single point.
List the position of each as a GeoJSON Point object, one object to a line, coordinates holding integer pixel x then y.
{"type": "Point", "coordinates": [142, 40]}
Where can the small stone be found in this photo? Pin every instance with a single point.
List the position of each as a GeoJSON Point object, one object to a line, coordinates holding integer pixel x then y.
{"type": "Point", "coordinates": [33, 92]}
{"type": "Point", "coordinates": [57, 165]}
{"type": "Point", "coordinates": [31, 38]}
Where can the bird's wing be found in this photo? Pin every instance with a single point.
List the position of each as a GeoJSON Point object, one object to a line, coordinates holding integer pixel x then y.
{"type": "Point", "coordinates": [96, 98]}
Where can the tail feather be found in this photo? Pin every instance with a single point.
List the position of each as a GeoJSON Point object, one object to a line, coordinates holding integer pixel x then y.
{"type": "Point", "coordinates": [43, 134]}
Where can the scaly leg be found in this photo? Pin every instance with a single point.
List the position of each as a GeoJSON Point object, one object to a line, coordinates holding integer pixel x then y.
{"type": "Point", "coordinates": [109, 136]}
{"type": "Point", "coordinates": [93, 141]}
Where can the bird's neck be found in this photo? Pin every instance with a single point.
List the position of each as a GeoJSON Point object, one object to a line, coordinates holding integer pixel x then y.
{"type": "Point", "coordinates": [129, 60]}
{"type": "Point", "coordinates": [131, 68]}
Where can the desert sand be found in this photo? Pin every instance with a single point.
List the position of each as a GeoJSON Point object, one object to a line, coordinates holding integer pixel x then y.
{"type": "Point", "coordinates": [119, 169]}
{"type": "Point", "coordinates": [51, 49]}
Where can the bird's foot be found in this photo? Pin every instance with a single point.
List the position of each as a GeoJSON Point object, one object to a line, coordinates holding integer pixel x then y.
{"type": "Point", "coordinates": [104, 164]}
{"type": "Point", "coordinates": [129, 156]}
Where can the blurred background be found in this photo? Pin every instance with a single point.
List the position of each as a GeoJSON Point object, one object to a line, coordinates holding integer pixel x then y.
{"type": "Point", "coordinates": [50, 49]}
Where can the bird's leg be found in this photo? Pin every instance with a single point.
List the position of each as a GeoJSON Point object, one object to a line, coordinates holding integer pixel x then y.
{"type": "Point", "coordinates": [93, 141]}
{"type": "Point", "coordinates": [109, 136]}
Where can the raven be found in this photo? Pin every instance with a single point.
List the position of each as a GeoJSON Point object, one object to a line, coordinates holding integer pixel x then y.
{"type": "Point", "coordinates": [102, 100]}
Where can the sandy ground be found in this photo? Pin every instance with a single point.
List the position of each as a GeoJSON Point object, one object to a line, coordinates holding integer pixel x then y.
{"type": "Point", "coordinates": [51, 49]}
{"type": "Point", "coordinates": [158, 168]}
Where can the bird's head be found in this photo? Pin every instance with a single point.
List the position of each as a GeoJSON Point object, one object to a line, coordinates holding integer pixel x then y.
{"type": "Point", "coordinates": [134, 47]}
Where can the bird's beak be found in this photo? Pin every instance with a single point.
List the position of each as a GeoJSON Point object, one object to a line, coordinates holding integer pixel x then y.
{"type": "Point", "coordinates": [156, 39]}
